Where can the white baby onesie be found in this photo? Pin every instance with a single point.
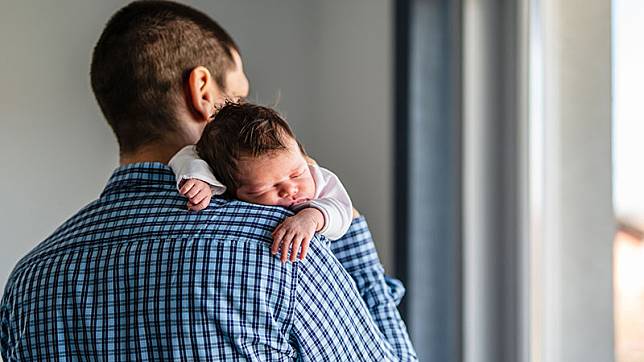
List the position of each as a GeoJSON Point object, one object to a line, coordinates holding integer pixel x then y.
{"type": "Point", "coordinates": [330, 196]}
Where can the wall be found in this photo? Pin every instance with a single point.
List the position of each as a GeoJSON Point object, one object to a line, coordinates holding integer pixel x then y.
{"type": "Point", "coordinates": [576, 296]}
{"type": "Point", "coordinates": [325, 63]}
{"type": "Point", "coordinates": [56, 152]}
{"type": "Point", "coordinates": [351, 130]}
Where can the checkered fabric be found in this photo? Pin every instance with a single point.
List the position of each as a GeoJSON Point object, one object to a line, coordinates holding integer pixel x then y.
{"type": "Point", "coordinates": [357, 254]}
{"type": "Point", "coordinates": [134, 276]}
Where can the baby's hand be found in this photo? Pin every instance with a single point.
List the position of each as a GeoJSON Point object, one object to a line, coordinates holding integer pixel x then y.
{"type": "Point", "coordinates": [297, 231]}
{"type": "Point", "coordinates": [197, 192]}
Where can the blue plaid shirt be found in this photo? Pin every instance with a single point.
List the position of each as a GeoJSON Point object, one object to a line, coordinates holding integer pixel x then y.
{"type": "Point", "coordinates": [134, 276]}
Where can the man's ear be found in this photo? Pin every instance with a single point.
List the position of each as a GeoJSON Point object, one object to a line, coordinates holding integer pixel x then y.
{"type": "Point", "coordinates": [202, 91]}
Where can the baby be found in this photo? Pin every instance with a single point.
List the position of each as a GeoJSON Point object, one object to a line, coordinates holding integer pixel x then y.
{"type": "Point", "coordinates": [255, 157]}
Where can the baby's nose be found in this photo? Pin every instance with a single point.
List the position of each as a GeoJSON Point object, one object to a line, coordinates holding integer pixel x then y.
{"type": "Point", "coordinates": [289, 190]}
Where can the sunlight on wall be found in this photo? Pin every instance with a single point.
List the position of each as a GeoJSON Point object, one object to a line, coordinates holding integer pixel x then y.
{"type": "Point", "coordinates": [628, 111]}
{"type": "Point", "coordinates": [628, 178]}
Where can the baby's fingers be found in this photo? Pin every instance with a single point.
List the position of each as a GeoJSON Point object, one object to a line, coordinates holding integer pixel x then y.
{"type": "Point", "coordinates": [187, 185]}
{"type": "Point", "coordinates": [278, 234]}
{"type": "Point", "coordinates": [194, 191]}
{"type": "Point", "coordinates": [285, 243]}
{"type": "Point", "coordinates": [199, 206]}
{"type": "Point", "coordinates": [295, 247]}
{"type": "Point", "coordinates": [305, 248]}
{"type": "Point", "coordinates": [200, 196]}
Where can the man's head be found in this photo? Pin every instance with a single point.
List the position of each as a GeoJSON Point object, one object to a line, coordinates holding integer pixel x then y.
{"type": "Point", "coordinates": [254, 153]}
{"type": "Point", "coordinates": [158, 71]}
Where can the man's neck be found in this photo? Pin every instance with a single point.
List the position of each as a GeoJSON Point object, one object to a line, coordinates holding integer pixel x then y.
{"type": "Point", "coordinates": [157, 152]}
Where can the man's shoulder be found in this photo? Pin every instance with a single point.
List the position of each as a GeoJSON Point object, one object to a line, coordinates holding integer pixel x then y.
{"type": "Point", "coordinates": [239, 219]}
{"type": "Point", "coordinates": [157, 251]}
{"type": "Point", "coordinates": [157, 216]}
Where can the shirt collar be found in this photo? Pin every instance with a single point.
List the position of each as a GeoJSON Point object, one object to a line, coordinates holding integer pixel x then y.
{"type": "Point", "coordinates": [147, 174]}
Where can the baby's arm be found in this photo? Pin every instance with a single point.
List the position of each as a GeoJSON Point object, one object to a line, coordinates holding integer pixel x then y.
{"type": "Point", "coordinates": [195, 180]}
{"type": "Point", "coordinates": [333, 201]}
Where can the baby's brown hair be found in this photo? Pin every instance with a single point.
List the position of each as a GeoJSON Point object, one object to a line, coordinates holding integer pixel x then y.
{"type": "Point", "coordinates": [242, 130]}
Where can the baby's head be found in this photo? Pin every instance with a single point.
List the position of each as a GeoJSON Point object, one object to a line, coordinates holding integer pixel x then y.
{"type": "Point", "coordinates": [253, 152]}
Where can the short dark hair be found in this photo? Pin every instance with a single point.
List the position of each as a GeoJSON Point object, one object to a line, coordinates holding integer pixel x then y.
{"type": "Point", "coordinates": [242, 130]}
{"type": "Point", "coordinates": [141, 63]}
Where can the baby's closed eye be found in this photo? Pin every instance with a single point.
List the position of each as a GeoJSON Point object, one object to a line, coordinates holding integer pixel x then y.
{"type": "Point", "coordinates": [298, 173]}
{"type": "Point", "coordinates": [256, 193]}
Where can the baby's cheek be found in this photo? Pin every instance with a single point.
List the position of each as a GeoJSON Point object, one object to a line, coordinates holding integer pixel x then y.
{"type": "Point", "coordinates": [310, 189]}
{"type": "Point", "coordinates": [281, 202]}
{"type": "Point", "coordinates": [266, 200]}
{"type": "Point", "coordinates": [261, 199]}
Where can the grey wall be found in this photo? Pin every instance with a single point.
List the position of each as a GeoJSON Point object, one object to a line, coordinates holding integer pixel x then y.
{"type": "Point", "coordinates": [56, 152]}
{"type": "Point", "coordinates": [352, 127]}
{"type": "Point", "coordinates": [328, 64]}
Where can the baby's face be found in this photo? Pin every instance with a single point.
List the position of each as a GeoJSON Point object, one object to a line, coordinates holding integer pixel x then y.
{"type": "Point", "coordinates": [282, 178]}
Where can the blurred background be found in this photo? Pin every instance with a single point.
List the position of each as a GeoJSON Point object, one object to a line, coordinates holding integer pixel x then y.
{"type": "Point", "coordinates": [494, 147]}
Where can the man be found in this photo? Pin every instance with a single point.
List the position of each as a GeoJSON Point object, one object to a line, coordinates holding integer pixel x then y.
{"type": "Point", "coordinates": [135, 276]}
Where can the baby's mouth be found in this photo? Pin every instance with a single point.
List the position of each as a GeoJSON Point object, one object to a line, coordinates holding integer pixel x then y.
{"type": "Point", "coordinates": [298, 201]}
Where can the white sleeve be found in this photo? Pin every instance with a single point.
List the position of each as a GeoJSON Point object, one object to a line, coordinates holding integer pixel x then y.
{"type": "Point", "coordinates": [333, 201]}
{"type": "Point", "coordinates": [186, 164]}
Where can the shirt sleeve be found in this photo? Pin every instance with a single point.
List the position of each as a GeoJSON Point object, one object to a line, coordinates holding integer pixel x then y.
{"type": "Point", "coordinates": [6, 340]}
{"type": "Point", "coordinates": [333, 201]}
{"type": "Point", "coordinates": [186, 164]}
{"type": "Point", "coordinates": [331, 321]}
{"type": "Point", "coordinates": [357, 254]}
